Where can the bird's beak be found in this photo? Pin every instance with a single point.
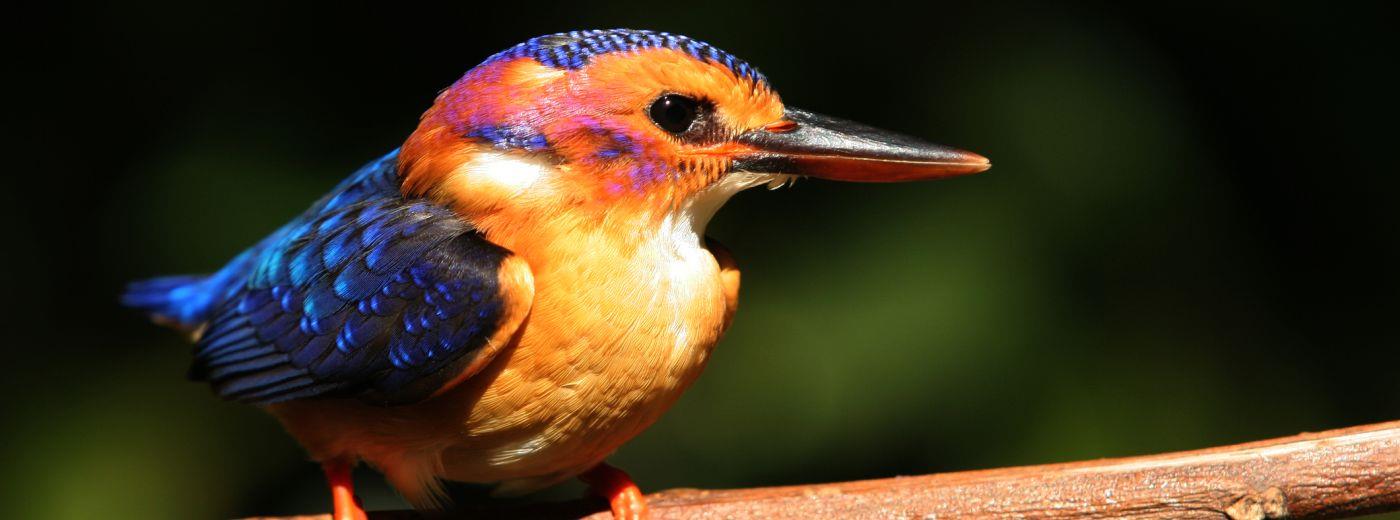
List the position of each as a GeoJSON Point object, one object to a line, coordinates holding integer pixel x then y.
{"type": "Point", "coordinates": [803, 143]}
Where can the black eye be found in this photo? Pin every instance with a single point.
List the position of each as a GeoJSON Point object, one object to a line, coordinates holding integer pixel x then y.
{"type": "Point", "coordinates": [674, 113]}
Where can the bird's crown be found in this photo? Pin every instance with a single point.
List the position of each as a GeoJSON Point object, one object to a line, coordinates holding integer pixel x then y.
{"type": "Point", "coordinates": [572, 50]}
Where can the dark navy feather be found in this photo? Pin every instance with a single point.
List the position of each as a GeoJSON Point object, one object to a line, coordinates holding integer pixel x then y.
{"type": "Point", "coordinates": [364, 294]}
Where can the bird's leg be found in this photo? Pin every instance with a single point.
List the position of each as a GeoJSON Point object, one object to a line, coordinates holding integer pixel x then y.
{"type": "Point", "coordinates": [613, 484]}
{"type": "Point", "coordinates": [344, 504]}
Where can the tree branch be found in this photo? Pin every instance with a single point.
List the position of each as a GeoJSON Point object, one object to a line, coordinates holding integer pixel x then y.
{"type": "Point", "coordinates": [1331, 474]}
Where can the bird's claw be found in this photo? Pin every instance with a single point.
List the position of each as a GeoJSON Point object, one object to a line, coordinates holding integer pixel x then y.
{"type": "Point", "coordinates": [624, 497]}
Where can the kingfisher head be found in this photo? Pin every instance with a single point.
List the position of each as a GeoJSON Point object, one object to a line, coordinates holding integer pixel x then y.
{"type": "Point", "coordinates": [627, 128]}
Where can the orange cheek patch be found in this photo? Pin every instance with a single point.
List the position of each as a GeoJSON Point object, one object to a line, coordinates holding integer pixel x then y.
{"type": "Point", "coordinates": [619, 88]}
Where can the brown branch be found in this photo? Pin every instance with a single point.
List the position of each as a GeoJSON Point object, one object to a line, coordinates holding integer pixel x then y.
{"type": "Point", "coordinates": [1332, 474]}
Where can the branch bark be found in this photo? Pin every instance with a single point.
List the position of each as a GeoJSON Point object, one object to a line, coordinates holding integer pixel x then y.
{"type": "Point", "coordinates": [1333, 474]}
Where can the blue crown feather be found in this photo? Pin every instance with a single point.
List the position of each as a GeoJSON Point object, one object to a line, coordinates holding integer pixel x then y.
{"type": "Point", "coordinates": [573, 49]}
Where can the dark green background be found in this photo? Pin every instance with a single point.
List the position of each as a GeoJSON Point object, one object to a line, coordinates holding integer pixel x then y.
{"type": "Point", "coordinates": [1189, 237]}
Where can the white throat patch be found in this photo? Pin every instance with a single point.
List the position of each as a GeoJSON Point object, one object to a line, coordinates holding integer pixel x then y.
{"type": "Point", "coordinates": [703, 205]}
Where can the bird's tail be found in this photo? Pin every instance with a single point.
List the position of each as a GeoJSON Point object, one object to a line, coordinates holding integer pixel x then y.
{"type": "Point", "coordinates": [187, 301]}
{"type": "Point", "coordinates": [182, 301]}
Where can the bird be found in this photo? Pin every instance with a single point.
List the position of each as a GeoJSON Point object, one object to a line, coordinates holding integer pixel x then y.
{"type": "Point", "coordinates": [525, 283]}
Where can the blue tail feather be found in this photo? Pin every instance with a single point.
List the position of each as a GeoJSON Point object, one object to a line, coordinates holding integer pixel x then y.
{"type": "Point", "coordinates": [187, 300]}
{"type": "Point", "coordinates": [183, 299]}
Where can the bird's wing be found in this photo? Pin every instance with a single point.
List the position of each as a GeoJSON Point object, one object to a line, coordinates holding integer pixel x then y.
{"type": "Point", "coordinates": [388, 299]}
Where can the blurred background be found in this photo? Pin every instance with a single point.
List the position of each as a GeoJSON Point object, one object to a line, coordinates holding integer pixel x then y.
{"type": "Point", "coordinates": [1189, 238]}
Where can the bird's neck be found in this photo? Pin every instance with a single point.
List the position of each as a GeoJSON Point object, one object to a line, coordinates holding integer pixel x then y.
{"type": "Point", "coordinates": [519, 204]}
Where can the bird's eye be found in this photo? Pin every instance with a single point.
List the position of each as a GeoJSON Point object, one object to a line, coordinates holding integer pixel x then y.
{"type": "Point", "coordinates": [674, 113]}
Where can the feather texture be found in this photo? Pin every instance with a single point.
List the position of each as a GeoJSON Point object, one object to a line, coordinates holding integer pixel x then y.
{"type": "Point", "coordinates": [380, 298]}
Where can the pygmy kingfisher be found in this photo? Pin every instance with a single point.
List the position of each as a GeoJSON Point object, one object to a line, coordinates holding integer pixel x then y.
{"type": "Point", "coordinates": [524, 285]}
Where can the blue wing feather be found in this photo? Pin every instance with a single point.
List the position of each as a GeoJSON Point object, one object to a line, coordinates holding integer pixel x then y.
{"type": "Point", "coordinates": [365, 294]}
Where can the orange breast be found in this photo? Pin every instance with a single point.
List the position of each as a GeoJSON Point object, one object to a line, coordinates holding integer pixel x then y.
{"type": "Point", "coordinates": [615, 335]}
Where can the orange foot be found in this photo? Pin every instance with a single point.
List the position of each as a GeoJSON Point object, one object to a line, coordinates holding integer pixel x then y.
{"type": "Point", "coordinates": [345, 505]}
{"type": "Point", "coordinates": [622, 494]}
